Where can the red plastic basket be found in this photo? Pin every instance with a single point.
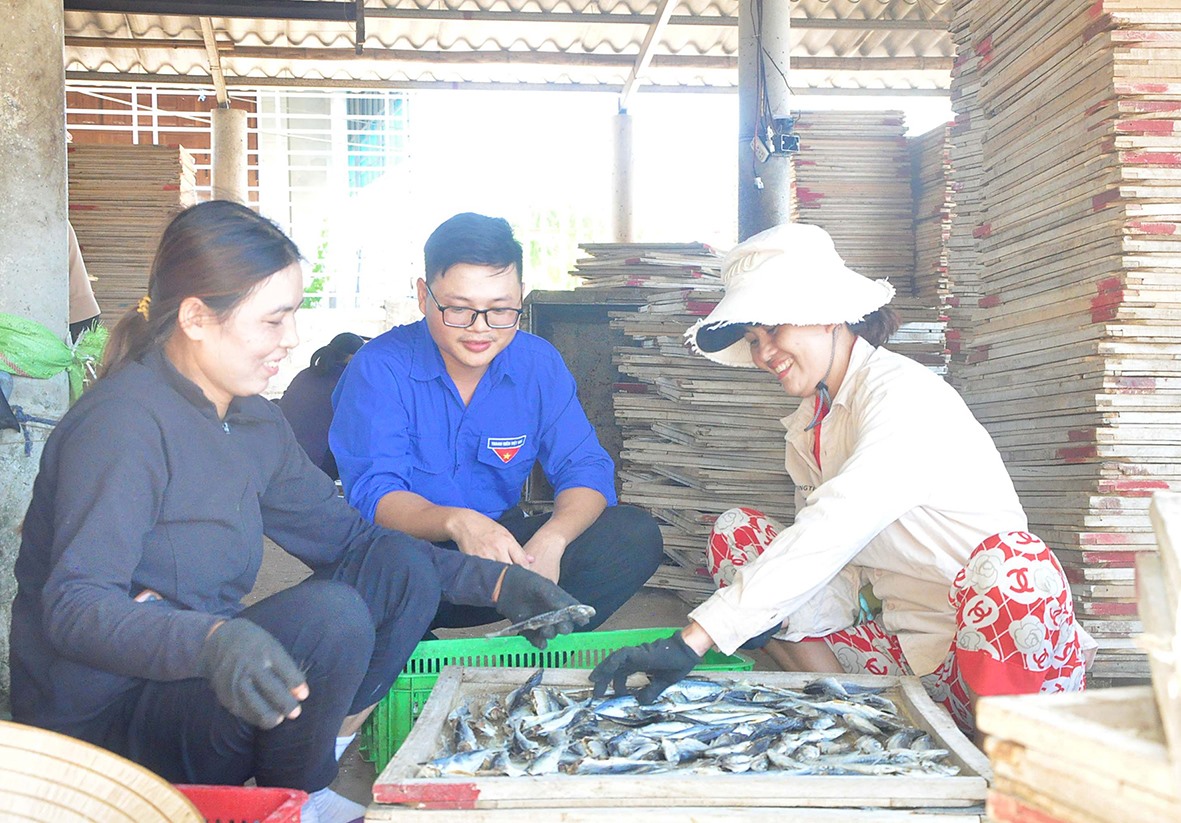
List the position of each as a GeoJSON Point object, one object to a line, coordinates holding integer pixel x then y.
{"type": "Point", "coordinates": [245, 804]}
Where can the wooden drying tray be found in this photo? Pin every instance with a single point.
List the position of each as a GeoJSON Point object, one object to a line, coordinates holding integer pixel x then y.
{"type": "Point", "coordinates": [1085, 757]}
{"type": "Point", "coordinates": [399, 783]}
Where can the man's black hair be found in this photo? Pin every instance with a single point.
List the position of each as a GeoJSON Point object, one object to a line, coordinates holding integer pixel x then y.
{"type": "Point", "coordinates": [474, 239]}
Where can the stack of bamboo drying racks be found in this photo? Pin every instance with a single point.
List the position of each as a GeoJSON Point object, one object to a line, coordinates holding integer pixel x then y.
{"type": "Point", "coordinates": [1070, 233]}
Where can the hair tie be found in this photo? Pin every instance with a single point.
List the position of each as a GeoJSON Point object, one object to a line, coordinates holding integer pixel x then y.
{"type": "Point", "coordinates": [145, 303]}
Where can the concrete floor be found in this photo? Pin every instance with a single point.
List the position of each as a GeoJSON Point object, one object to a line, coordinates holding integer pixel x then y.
{"type": "Point", "coordinates": [649, 608]}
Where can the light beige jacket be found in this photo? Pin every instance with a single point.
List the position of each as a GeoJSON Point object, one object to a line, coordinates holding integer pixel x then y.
{"type": "Point", "coordinates": [908, 484]}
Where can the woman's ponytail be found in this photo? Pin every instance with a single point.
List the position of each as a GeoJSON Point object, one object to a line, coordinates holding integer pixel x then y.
{"type": "Point", "coordinates": [129, 340]}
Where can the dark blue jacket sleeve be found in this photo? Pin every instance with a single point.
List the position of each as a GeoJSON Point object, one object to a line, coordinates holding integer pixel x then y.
{"type": "Point", "coordinates": [303, 514]}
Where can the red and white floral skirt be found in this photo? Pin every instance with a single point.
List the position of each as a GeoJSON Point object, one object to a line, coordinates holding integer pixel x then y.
{"type": "Point", "coordinates": [1015, 626]}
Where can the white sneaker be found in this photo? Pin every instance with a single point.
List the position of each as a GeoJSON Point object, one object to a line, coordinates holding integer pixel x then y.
{"type": "Point", "coordinates": [326, 806]}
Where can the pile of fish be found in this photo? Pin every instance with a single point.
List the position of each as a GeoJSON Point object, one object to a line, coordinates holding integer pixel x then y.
{"type": "Point", "coordinates": [826, 728]}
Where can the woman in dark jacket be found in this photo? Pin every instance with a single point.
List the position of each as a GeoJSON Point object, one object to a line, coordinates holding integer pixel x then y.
{"type": "Point", "coordinates": [146, 530]}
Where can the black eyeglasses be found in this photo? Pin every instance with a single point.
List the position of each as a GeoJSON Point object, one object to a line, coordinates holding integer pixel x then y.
{"type": "Point", "coordinates": [461, 317]}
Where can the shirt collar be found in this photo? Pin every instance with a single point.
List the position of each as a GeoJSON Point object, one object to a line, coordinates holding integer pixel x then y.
{"type": "Point", "coordinates": [158, 362]}
{"type": "Point", "coordinates": [427, 361]}
{"type": "Point", "coordinates": [858, 357]}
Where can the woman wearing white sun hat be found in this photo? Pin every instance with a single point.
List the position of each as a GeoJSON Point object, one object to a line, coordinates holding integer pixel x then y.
{"type": "Point", "coordinates": [897, 486]}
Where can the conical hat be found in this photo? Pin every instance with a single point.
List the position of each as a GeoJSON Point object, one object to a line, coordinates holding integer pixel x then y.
{"type": "Point", "coordinates": [49, 776]}
{"type": "Point", "coordinates": [788, 275]}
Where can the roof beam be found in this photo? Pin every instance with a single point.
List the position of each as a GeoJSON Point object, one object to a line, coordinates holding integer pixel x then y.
{"type": "Point", "coordinates": [588, 18]}
{"type": "Point", "coordinates": [438, 57]}
{"type": "Point", "coordinates": [544, 58]}
{"type": "Point", "coordinates": [250, 9]}
{"type": "Point", "coordinates": [247, 83]}
{"type": "Point", "coordinates": [348, 12]}
{"type": "Point", "coordinates": [651, 38]}
{"type": "Point", "coordinates": [877, 24]}
{"type": "Point", "coordinates": [219, 80]}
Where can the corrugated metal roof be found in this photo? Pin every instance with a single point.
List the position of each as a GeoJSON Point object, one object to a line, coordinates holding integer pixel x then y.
{"type": "Point", "coordinates": [836, 44]}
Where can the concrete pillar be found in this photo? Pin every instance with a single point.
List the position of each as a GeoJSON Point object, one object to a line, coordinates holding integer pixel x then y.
{"type": "Point", "coordinates": [624, 182]}
{"type": "Point", "coordinates": [229, 154]}
{"type": "Point", "coordinates": [33, 259]}
{"type": "Point", "coordinates": [764, 187]}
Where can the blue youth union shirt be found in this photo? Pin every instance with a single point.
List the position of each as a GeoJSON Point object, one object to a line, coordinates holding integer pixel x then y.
{"type": "Point", "coordinates": [400, 425]}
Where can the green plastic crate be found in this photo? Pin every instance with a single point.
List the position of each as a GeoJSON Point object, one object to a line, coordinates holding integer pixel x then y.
{"type": "Point", "coordinates": [395, 715]}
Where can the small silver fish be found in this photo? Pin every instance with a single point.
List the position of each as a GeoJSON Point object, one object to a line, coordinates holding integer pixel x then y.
{"type": "Point", "coordinates": [464, 763]}
{"type": "Point", "coordinates": [519, 744]}
{"type": "Point", "coordinates": [520, 694]}
{"type": "Point", "coordinates": [502, 764]}
{"type": "Point", "coordinates": [577, 614]}
{"type": "Point", "coordinates": [546, 761]}
{"type": "Point", "coordinates": [868, 744]}
{"type": "Point", "coordinates": [543, 701]}
{"type": "Point", "coordinates": [903, 738]}
{"type": "Point", "coordinates": [553, 722]}
{"type": "Point", "coordinates": [681, 751]}
{"type": "Point", "coordinates": [923, 742]}
{"type": "Point", "coordinates": [595, 748]}
{"type": "Point", "coordinates": [464, 739]}
{"type": "Point", "coordinates": [698, 725]}
{"type": "Point", "coordinates": [782, 761]}
{"type": "Point", "coordinates": [826, 687]}
{"type": "Point", "coordinates": [618, 765]}
{"type": "Point", "coordinates": [689, 690]}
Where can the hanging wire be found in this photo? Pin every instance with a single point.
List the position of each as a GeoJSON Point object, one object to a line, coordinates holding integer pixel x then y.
{"type": "Point", "coordinates": [762, 105]}
{"type": "Point", "coordinates": [25, 419]}
{"type": "Point", "coordinates": [764, 127]}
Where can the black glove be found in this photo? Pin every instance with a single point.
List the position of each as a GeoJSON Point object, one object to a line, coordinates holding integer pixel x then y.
{"type": "Point", "coordinates": [250, 672]}
{"type": "Point", "coordinates": [664, 661]}
{"type": "Point", "coordinates": [525, 594]}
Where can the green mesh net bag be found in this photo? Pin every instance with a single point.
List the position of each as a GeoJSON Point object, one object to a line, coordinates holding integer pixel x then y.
{"type": "Point", "coordinates": [29, 349]}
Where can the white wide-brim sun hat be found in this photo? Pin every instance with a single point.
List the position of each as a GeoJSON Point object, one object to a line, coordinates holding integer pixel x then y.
{"type": "Point", "coordinates": [787, 275]}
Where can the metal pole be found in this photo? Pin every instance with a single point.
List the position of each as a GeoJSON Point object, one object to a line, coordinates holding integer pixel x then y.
{"type": "Point", "coordinates": [623, 179]}
{"type": "Point", "coordinates": [34, 280]}
{"type": "Point", "coordinates": [765, 190]}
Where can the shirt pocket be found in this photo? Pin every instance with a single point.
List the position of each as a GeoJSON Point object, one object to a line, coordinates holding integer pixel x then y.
{"type": "Point", "coordinates": [510, 454]}
{"type": "Point", "coordinates": [505, 461]}
{"type": "Point", "coordinates": [427, 457]}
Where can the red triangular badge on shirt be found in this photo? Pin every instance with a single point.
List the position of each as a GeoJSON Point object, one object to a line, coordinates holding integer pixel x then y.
{"type": "Point", "coordinates": [506, 448]}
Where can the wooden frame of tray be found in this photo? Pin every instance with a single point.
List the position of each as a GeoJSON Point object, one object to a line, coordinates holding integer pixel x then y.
{"type": "Point", "coordinates": [1081, 757]}
{"type": "Point", "coordinates": [399, 783]}
{"type": "Point", "coordinates": [680, 814]}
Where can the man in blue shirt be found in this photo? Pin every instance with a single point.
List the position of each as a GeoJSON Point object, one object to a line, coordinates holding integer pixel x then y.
{"type": "Point", "coordinates": [438, 423]}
